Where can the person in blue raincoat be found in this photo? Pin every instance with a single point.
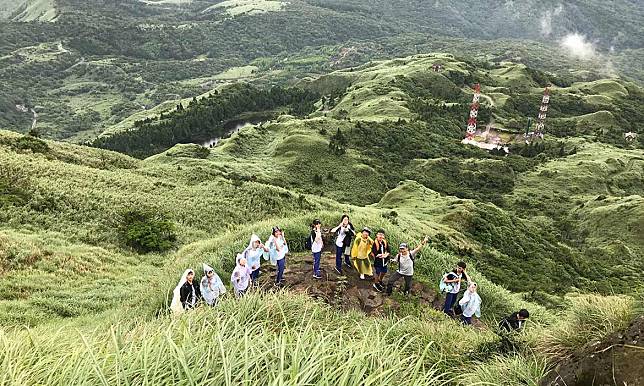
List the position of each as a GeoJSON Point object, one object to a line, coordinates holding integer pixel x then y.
{"type": "Point", "coordinates": [253, 254]}
{"type": "Point", "coordinates": [211, 285]}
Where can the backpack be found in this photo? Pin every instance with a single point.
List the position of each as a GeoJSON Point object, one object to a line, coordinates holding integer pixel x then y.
{"type": "Point", "coordinates": [445, 287]}
{"type": "Point", "coordinates": [308, 243]}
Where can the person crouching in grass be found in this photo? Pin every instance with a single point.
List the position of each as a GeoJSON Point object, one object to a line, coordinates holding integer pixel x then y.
{"type": "Point", "coordinates": [360, 253]}
{"type": "Point", "coordinates": [380, 252]}
{"type": "Point", "coordinates": [405, 259]}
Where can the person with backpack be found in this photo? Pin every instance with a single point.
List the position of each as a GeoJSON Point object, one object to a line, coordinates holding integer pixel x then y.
{"type": "Point", "coordinates": [380, 253]}
{"type": "Point", "coordinates": [211, 286]}
{"type": "Point", "coordinates": [253, 254]}
{"type": "Point", "coordinates": [470, 304]}
{"type": "Point", "coordinates": [278, 249]}
{"type": "Point", "coordinates": [451, 284]}
{"type": "Point", "coordinates": [515, 321]}
{"type": "Point", "coordinates": [405, 259]}
{"type": "Point", "coordinates": [315, 243]}
{"type": "Point", "coordinates": [240, 278]}
{"type": "Point", "coordinates": [360, 253]}
{"type": "Point", "coordinates": [344, 233]}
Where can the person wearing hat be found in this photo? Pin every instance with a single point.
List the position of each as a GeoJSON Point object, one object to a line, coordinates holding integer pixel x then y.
{"type": "Point", "coordinates": [380, 253]}
{"type": "Point", "coordinates": [405, 259]}
{"type": "Point", "coordinates": [278, 249]}
{"type": "Point", "coordinates": [360, 253]}
{"type": "Point", "coordinates": [316, 247]}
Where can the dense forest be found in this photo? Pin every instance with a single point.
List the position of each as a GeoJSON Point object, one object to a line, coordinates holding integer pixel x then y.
{"type": "Point", "coordinates": [205, 118]}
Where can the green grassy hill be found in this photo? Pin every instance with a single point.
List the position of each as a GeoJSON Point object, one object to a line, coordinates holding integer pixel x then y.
{"type": "Point", "coordinates": [92, 241]}
{"type": "Point", "coordinates": [401, 121]}
{"type": "Point", "coordinates": [151, 53]}
{"type": "Point", "coordinates": [97, 308]}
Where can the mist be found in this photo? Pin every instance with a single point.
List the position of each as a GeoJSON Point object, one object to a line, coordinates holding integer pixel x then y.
{"type": "Point", "coordinates": [576, 45]}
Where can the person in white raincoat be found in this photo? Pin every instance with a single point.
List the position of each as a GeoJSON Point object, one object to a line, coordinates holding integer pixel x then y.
{"type": "Point", "coordinates": [253, 254]}
{"type": "Point", "coordinates": [211, 285]}
{"type": "Point", "coordinates": [470, 304]}
{"type": "Point", "coordinates": [240, 278]}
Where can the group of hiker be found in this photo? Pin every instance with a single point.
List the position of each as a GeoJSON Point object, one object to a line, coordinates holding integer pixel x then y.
{"type": "Point", "coordinates": [353, 251]}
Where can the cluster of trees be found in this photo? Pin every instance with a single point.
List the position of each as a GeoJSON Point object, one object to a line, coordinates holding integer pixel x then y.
{"type": "Point", "coordinates": [205, 118]}
{"type": "Point", "coordinates": [338, 143]}
{"type": "Point", "coordinates": [148, 230]}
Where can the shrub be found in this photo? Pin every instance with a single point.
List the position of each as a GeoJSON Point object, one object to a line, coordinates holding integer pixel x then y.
{"type": "Point", "coordinates": [31, 143]}
{"type": "Point", "coordinates": [148, 231]}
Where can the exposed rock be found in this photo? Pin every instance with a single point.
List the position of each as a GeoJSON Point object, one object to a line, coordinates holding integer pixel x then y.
{"type": "Point", "coordinates": [616, 360]}
{"type": "Point", "coordinates": [346, 291]}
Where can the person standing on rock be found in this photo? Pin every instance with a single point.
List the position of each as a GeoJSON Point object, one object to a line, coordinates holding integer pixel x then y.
{"type": "Point", "coordinates": [277, 253]}
{"type": "Point", "coordinates": [240, 278]}
{"type": "Point", "coordinates": [454, 280]}
{"type": "Point", "coordinates": [405, 259]}
{"type": "Point", "coordinates": [470, 304]}
{"type": "Point", "coordinates": [316, 247]}
{"type": "Point", "coordinates": [343, 235]}
{"type": "Point", "coordinates": [211, 286]}
{"type": "Point", "coordinates": [360, 253]}
{"type": "Point", "coordinates": [380, 252]}
{"type": "Point", "coordinates": [253, 254]}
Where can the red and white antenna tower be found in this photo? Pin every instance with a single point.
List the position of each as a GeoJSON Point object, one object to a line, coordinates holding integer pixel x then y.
{"type": "Point", "coordinates": [474, 112]}
{"type": "Point", "coordinates": [543, 112]}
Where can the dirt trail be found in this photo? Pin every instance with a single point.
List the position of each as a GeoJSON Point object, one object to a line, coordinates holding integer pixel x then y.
{"type": "Point", "coordinates": [347, 291]}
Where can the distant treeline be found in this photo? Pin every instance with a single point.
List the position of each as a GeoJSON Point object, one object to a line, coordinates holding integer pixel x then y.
{"type": "Point", "coordinates": [205, 117]}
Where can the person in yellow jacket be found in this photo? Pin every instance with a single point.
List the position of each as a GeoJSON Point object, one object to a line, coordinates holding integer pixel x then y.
{"type": "Point", "coordinates": [360, 253]}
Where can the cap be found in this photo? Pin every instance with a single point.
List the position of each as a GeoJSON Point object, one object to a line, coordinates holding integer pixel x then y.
{"type": "Point", "coordinates": [381, 231]}
{"type": "Point", "coordinates": [366, 229]}
{"type": "Point", "coordinates": [317, 221]}
{"type": "Point", "coordinates": [403, 246]}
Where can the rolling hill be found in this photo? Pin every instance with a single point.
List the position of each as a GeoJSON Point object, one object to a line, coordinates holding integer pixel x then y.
{"type": "Point", "coordinates": [157, 53]}
{"type": "Point", "coordinates": [162, 134]}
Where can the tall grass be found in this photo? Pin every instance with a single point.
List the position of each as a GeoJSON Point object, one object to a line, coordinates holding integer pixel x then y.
{"type": "Point", "coordinates": [261, 340]}
{"type": "Point", "coordinates": [518, 369]}
{"type": "Point", "coordinates": [589, 318]}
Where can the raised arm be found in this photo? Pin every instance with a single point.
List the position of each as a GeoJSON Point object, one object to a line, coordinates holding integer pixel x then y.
{"type": "Point", "coordinates": [421, 245]}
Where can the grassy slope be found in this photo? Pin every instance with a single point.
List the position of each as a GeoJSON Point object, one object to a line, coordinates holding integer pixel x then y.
{"type": "Point", "coordinates": [28, 10]}
{"type": "Point", "coordinates": [148, 66]}
{"type": "Point", "coordinates": [72, 197]}
{"type": "Point", "coordinates": [597, 195]}
{"type": "Point", "coordinates": [131, 342]}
